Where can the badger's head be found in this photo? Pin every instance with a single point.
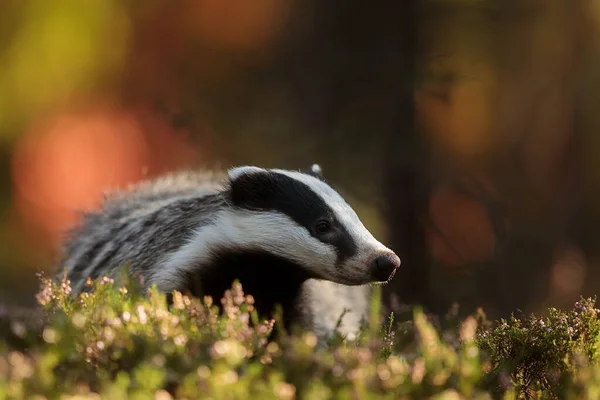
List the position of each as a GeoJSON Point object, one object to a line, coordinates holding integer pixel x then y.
{"type": "Point", "coordinates": [300, 217]}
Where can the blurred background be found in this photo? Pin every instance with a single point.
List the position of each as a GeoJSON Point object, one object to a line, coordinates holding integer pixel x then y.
{"type": "Point", "coordinates": [465, 133]}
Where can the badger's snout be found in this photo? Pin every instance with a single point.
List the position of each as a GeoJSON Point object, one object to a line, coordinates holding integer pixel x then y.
{"type": "Point", "coordinates": [383, 267]}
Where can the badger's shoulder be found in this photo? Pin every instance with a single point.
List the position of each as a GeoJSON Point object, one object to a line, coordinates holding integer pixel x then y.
{"type": "Point", "coordinates": [148, 195]}
{"type": "Point", "coordinates": [163, 188]}
{"type": "Point", "coordinates": [161, 209]}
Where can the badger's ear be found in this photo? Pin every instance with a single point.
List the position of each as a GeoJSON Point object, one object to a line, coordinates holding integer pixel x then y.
{"type": "Point", "coordinates": [316, 171]}
{"type": "Point", "coordinates": [248, 185]}
{"type": "Point", "coordinates": [238, 172]}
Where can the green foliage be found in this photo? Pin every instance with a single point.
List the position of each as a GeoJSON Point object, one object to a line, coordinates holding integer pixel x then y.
{"type": "Point", "coordinates": [116, 342]}
{"type": "Point", "coordinates": [544, 353]}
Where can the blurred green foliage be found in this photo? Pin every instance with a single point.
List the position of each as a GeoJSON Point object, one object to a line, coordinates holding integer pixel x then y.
{"type": "Point", "coordinates": [54, 51]}
{"type": "Point", "coordinates": [115, 342]}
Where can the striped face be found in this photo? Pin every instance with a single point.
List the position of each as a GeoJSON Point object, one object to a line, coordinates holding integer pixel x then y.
{"type": "Point", "coordinates": [302, 218]}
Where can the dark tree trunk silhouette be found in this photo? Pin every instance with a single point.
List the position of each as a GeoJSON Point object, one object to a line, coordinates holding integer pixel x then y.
{"type": "Point", "coordinates": [405, 169]}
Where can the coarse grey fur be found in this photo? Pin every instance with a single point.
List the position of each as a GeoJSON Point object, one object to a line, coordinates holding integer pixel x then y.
{"type": "Point", "coordinates": [162, 213]}
{"type": "Point", "coordinates": [157, 212]}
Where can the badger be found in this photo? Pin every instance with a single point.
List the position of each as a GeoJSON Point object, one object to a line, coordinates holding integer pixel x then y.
{"type": "Point", "coordinates": [287, 236]}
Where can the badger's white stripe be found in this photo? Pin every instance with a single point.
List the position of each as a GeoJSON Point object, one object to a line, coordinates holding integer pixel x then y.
{"type": "Point", "coordinates": [278, 234]}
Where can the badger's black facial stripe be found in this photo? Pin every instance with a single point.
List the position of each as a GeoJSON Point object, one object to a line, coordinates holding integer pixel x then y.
{"type": "Point", "coordinates": [272, 191]}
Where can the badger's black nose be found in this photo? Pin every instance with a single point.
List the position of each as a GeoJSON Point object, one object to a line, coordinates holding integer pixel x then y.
{"type": "Point", "coordinates": [384, 267]}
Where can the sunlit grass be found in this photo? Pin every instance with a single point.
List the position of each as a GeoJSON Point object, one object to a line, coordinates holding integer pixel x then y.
{"type": "Point", "coordinates": [116, 342]}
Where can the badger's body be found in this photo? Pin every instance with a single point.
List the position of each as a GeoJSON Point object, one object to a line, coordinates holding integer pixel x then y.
{"type": "Point", "coordinates": [287, 236]}
{"type": "Point", "coordinates": [325, 302]}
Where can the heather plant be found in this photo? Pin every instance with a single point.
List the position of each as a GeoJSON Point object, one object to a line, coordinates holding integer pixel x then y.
{"type": "Point", "coordinates": [114, 341]}
{"type": "Point", "coordinates": [544, 354]}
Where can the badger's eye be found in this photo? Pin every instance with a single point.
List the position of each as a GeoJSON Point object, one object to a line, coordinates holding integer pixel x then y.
{"type": "Point", "coordinates": [322, 227]}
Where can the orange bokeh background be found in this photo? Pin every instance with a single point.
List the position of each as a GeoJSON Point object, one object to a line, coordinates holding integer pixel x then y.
{"type": "Point", "coordinates": [63, 164]}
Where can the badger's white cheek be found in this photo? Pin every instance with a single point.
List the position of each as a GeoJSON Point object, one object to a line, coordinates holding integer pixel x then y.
{"type": "Point", "coordinates": [321, 260]}
{"type": "Point", "coordinates": [301, 247]}
{"type": "Point", "coordinates": [324, 259]}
